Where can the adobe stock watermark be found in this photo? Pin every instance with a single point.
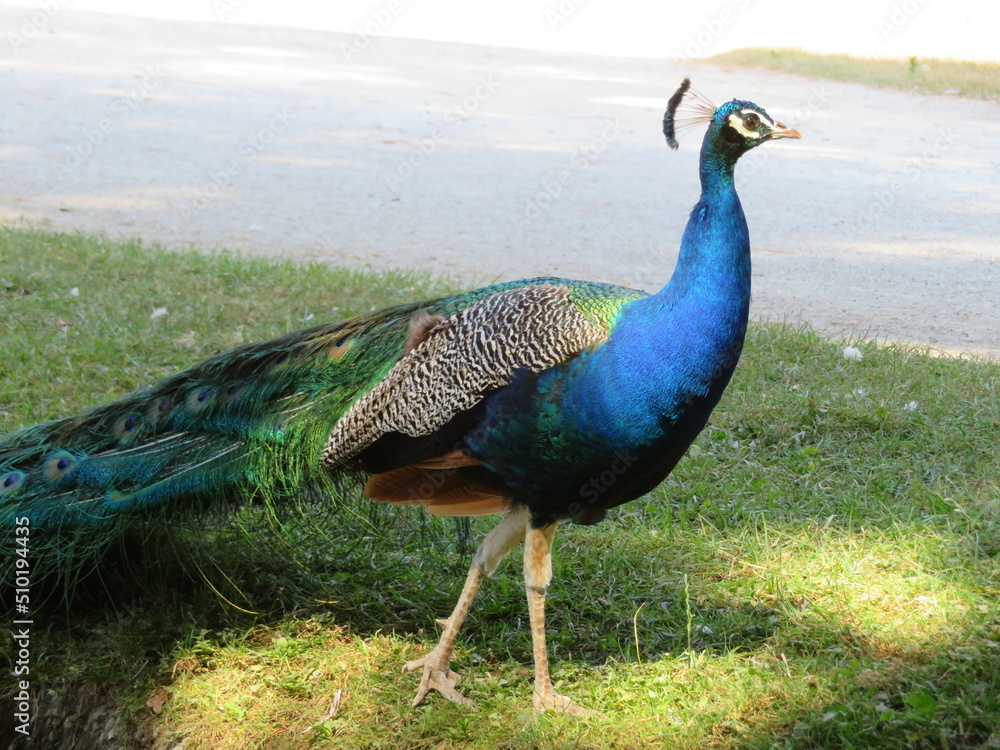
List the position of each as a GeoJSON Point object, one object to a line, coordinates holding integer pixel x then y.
{"type": "Point", "coordinates": [603, 481]}
{"type": "Point", "coordinates": [485, 88]}
{"type": "Point", "coordinates": [700, 42]}
{"type": "Point", "coordinates": [551, 190]}
{"type": "Point", "coordinates": [118, 111]}
{"type": "Point", "coordinates": [35, 24]}
{"type": "Point", "coordinates": [248, 148]}
{"type": "Point", "coordinates": [378, 22]}
{"type": "Point", "coordinates": [878, 206]}
{"type": "Point", "coordinates": [21, 630]}
{"type": "Point", "coordinates": [223, 8]}
{"type": "Point", "coordinates": [900, 15]}
{"type": "Point", "coordinates": [559, 14]}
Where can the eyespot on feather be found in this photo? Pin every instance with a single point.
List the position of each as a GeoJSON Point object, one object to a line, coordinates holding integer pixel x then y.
{"type": "Point", "coordinates": [199, 398]}
{"type": "Point", "coordinates": [159, 409]}
{"type": "Point", "coordinates": [276, 361]}
{"type": "Point", "coordinates": [10, 481]}
{"type": "Point", "coordinates": [230, 394]}
{"type": "Point", "coordinates": [58, 466]}
{"type": "Point", "coordinates": [126, 426]}
{"type": "Point", "coordinates": [340, 347]}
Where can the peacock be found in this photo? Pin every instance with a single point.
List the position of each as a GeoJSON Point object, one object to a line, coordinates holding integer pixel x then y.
{"type": "Point", "coordinates": [543, 400]}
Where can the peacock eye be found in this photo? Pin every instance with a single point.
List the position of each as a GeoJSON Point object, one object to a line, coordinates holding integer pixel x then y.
{"type": "Point", "coordinates": [751, 121]}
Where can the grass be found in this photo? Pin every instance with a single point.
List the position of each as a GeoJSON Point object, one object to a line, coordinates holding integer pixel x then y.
{"type": "Point", "coordinates": [977, 80]}
{"type": "Point", "coordinates": [822, 570]}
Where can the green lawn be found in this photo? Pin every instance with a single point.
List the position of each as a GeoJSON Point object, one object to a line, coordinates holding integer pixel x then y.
{"type": "Point", "coordinates": [924, 75]}
{"type": "Point", "coordinates": [822, 570]}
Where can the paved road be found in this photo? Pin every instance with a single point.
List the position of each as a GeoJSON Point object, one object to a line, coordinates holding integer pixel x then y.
{"type": "Point", "coordinates": [496, 163]}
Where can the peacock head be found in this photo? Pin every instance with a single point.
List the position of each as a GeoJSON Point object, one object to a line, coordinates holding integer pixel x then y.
{"type": "Point", "coordinates": [734, 128]}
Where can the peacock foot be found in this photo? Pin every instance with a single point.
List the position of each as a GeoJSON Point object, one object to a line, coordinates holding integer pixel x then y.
{"type": "Point", "coordinates": [437, 676]}
{"type": "Point", "coordinates": [550, 700]}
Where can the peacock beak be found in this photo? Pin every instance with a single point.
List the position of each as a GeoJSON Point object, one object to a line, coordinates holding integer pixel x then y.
{"type": "Point", "coordinates": [783, 131]}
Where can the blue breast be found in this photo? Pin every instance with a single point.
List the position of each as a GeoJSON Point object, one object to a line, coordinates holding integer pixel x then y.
{"type": "Point", "coordinates": [674, 350]}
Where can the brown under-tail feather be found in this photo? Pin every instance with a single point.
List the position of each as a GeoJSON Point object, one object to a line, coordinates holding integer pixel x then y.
{"type": "Point", "coordinates": [442, 492]}
{"type": "Point", "coordinates": [452, 460]}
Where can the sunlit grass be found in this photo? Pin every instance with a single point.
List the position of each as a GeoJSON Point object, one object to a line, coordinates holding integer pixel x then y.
{"type": "Point", "coordinates": [822, 570]}
{"type": "Point", "coordinates": [829, 623]}
{"type": "Point", "coordinates": [978, 80]}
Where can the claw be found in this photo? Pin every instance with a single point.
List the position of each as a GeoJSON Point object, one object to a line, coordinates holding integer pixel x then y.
{"type": "Point", "coordinates": [552, 701]}
{"type": "Point", "coordinates": [437, 676]}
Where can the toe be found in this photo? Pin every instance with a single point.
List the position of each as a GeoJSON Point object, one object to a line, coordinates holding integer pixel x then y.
{"type": "Point", "coordinates": [552, 701]}
{"type": "Point", "coordinates": [437, 676]}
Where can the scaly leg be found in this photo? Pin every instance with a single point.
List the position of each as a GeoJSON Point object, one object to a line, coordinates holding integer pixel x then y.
{"type": "Point", "coordinates": [537, 575]}
{"type": "Point", "coordinates": [437, 664]}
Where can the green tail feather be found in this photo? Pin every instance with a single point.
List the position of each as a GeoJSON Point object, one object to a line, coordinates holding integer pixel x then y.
{"type": "Point", "coordinates": [245, 423]}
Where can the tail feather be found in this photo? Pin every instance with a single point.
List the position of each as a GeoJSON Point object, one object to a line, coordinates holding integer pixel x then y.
{"type": "Point", "coordinates": [248, 422]}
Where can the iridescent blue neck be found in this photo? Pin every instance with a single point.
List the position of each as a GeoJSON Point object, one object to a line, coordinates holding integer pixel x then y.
{"type": "Point", "coordinates": [670, 355]}
{"type": "Point", "coordinates": [714, 256]}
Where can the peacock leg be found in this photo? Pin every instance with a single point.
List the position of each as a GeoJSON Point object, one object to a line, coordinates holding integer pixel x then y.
{"type": "Point", "coordinates": [537, 575]}
{"type": "Point", "coordinates": [437, 664]}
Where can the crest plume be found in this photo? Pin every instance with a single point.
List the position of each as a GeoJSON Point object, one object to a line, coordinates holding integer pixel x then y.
{"type": "Point", "coordinates": [699, 109]}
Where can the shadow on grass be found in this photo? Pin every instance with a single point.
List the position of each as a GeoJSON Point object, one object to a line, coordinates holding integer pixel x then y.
{"type": "Point", "coordinates": [697, 600]}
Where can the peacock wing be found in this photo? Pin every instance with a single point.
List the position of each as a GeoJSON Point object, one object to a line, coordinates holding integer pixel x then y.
{"type": "Point", "coordinates": [454, 361]}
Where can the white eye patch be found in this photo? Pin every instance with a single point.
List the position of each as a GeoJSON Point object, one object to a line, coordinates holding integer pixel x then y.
{"type": "Point", "coordinates": [736, 123]}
